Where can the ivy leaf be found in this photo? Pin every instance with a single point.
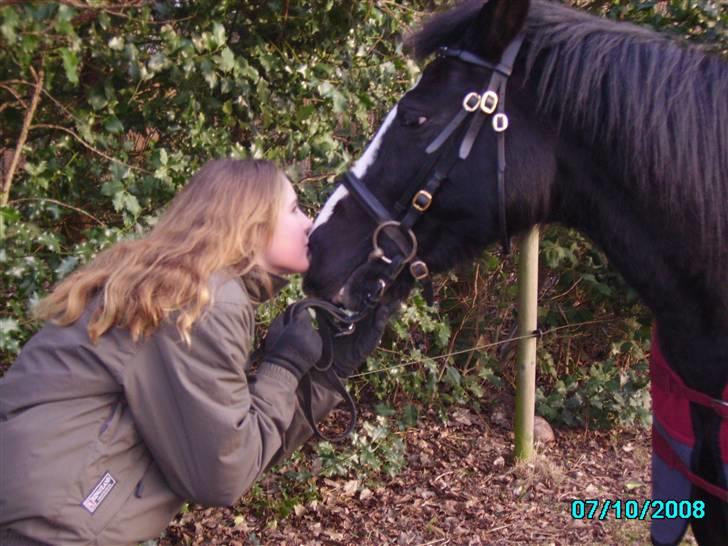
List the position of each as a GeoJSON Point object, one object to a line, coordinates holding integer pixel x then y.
{"type": "Point", "coordinates": [226, 60]}
{"type": "Point", "coordinates": [118, 172]}
{"type": "Point", "coordinates": [453, 376]}
{"type": "Point", "coordinates": [65, 13]}
{"type": "Point", "coordinates": [208, 72]}
{"type": "Point", "coordinates": [118, 200]}
{"type": "Point", "coordinates": [35, 169]}
{"type": "Point", "coordinates": [8, 325]}
{"type": "Point", "coordinates": [158, 62]}
{"type": "Point", "coordinates": [248, 71]}
{"type": "Point", "coordinates": [50, 241]}
{"type": "Point", "coordinates": [218, 34]}
{"type": "Point", "coordinates": [116, 43]}
{"type": "Point", "coordinates": [70, 64]}
{"type": "Point", "coordinates": [97, 100]}
{"type": "Point", "coordinates": [10, 23]}
{"type": "Point", "coordinates": [112, 187]}
{"type": "Point", "coordinates": [67, 265]}
{"type": "Point", "coordinates": [113, 125]}
{"type": "Point", "coordinates": [131, 203]}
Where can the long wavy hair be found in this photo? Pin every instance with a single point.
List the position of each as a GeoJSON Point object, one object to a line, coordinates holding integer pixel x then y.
{"type": "Point", "coordinates": [221, 221]}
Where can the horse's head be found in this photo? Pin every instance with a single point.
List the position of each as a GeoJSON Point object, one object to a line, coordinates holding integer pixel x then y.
{"type": "Point", "coordinates": [430, 144]}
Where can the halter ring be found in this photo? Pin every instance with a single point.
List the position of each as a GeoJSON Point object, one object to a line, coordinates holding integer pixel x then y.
{"type": "Point", "coordinates": [500, 123]}
{"type": "Point", "coordinates": [489, 102]}
{"type": "Point", "coordinates": [471, 101]}
{"type": "Point", "coordinates": [378, 254]}
{"type": "Point", "coordinates": [392, 223]}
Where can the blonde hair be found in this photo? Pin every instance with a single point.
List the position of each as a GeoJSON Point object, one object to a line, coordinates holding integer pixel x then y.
{"type": "Point", "coordinates": [222, 220]}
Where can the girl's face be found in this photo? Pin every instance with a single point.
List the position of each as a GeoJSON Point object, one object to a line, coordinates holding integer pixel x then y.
{"type": "Point", "coordinates": [288, 248]}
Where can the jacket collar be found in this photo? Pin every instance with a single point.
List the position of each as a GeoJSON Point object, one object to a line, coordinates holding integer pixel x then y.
{"type": "Point", "coordinates": [255, 285]}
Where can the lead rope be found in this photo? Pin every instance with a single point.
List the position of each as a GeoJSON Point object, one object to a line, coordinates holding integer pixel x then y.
{"type": "Point", "coordinates": [326, 314]}
{"type": "Point", "coordinates": [327, 372]}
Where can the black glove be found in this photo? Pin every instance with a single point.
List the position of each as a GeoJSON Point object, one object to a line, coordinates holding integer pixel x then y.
{"type": "Point", "coordinates": [292, 342]}
{"type": "Point", "coordinates": [351, 351]}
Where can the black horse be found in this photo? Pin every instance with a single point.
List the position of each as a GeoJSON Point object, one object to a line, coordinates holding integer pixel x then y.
{"type": "Point", "coordinates": [611, 129]}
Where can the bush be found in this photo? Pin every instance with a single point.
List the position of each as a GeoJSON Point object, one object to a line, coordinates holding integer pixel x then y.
{"type": "Point", "coordinates": [136, 97]}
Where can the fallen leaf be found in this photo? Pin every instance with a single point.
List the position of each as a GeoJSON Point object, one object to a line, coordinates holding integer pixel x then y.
{"type": "Point", "coordinates": [350, 488]}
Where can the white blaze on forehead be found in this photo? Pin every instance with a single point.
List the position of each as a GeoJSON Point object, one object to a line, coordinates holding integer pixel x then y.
{"type": "Point", "coordinates": [328, 207]}
{"type": "Point", "coordinates": [359, 169]}
{"type": "Point", "coordinates": [370, 155]}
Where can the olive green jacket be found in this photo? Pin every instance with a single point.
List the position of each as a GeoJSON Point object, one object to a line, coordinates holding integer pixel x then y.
{"type": "Point", "coordinates": [101, 444]}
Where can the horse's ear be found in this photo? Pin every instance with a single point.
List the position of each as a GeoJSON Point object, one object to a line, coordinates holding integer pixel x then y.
{"type": "Point", "coordinates": [498, 22]}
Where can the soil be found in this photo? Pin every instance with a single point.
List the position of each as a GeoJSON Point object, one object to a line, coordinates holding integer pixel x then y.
{"type": "Point", "coordinates": [460, 486]}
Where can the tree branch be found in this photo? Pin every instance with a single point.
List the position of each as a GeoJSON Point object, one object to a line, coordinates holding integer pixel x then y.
{"type": "Point", "coordinates": [87, 145]}
{"type": "Point", "coordinates": [82, 5]}
{"type": "Point", "coordinates": [15, 94]}
{"type": "Point", "coordinates": [60, 203]}
{"type": "Point", "coordinates": [29, 113]}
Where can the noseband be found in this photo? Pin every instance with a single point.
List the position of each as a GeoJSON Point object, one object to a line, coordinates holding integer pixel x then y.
{"type": "Point", "coordinates": [418, 198]}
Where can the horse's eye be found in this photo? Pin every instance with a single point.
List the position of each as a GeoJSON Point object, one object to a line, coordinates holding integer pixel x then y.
{"type": "Point", "coordinates": [412, 119]}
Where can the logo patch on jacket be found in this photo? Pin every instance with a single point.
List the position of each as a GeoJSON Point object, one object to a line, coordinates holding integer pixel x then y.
{"type": "Point", "coordinates": [100, 492]}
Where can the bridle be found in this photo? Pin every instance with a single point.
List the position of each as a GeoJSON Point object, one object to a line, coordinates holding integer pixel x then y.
{"type": "Point", "coordinates": [420, 193]}
{"type": "Point", "coordinates": [415, 201]}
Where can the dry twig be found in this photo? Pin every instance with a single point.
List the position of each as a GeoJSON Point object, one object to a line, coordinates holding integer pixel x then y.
{"type": "Point", "coordinates": [29, 113]}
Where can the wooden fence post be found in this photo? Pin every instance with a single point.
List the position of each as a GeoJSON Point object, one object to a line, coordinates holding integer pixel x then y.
{"type": "Point", "coordinates": [527, 324]}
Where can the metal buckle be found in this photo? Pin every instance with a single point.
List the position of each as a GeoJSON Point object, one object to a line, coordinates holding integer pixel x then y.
{"type": "Point", "coordinates": [471, 101]}
{"type": "Point", "coordinates": [489, 102]}
{"type": "Point", "coordinates": [427, 196]}
{"type": "Point", "coordinates": [419, 270]}
{"type": "Point", "coordinates": [500, 123]}
{"type": "Point", "coordinates": [350, 329]}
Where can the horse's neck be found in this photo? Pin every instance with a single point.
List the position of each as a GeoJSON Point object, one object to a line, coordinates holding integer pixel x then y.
{"type": "Point", "coordinates": [634, 238]}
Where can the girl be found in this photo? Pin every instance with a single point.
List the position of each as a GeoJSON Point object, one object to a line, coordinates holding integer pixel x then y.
{"type": "Point", "coordinates": [135, 395]}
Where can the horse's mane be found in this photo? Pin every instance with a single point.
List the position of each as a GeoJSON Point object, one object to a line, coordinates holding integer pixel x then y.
{"type": "Point", "coordinates": [603, 79]}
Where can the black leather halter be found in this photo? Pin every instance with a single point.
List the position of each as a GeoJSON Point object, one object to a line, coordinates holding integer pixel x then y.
{"type": "Point", "coordinates": [417, 199]}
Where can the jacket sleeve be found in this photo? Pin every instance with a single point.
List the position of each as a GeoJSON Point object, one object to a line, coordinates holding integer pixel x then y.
{"type": "Point", "coordinates": [323, 399]}
{"type": "Point", "coordinates": [209, 430]}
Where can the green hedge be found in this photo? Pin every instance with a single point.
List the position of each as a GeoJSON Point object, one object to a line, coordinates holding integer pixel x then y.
{"type": "Point", "coordinates": [135, 98]}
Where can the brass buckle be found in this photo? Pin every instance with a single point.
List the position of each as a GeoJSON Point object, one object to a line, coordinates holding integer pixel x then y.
{"type": "Point", "coordinates": [500, 123]}
{"type": "Point", "coordinates": [489, 102]}
{"type": "Point", "coordinates": [416, 200]}
{"type": "Point", "coordinates": [419, 270]}
{"type": "Point", "coordinates": [471, 101]}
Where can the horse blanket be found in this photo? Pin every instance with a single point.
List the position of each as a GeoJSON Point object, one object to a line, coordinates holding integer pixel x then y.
{"type": "Point", "coordinates": [674, 442]}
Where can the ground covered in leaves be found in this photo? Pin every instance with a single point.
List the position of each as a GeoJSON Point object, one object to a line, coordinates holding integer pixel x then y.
{"type": "Point", "coordinates": [460, 486]}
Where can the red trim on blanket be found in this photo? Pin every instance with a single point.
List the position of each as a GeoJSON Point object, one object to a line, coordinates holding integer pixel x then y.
{"type": "Point", "coordinates": [723, 440]}
{"type": "Point", "coordinates": [665, 452]}
{"type": "Point", "coordinates": [669, 406]}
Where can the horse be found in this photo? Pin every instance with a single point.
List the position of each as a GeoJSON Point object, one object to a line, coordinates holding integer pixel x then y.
{"type": "Point", "coordinates": [609, 128]}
